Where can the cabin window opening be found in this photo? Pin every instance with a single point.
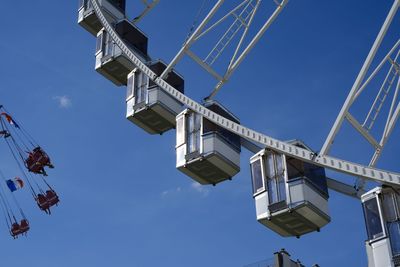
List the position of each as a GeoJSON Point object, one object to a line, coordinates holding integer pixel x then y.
{"type": "Point", "coordinates": [193, 132]}
{"type": "Point", "coordinates": [228, 136]}
{"type": "Point", "coordinates": [275, 176]}
{"type": "Point", "coordinates": [394, 233]}
{"type": "Point", "coordinates": [372, 219]}
{"type": "Point", "coordinates": [108, 44]}
{"type": "Point", "coordinates": [314, 174]}
{"type": "Point", "coordinates": [140, 88]}
{"type": "Point", "coordinates": [256, 173]}
{"type": "Point", "coordinates": [180, 131]}
{"type": "Point", "coordinates": [130, 87]}
{"type": "Point", "coordinates": [100, 42]}
{"type": "Point", "coordinates": [390, 203]}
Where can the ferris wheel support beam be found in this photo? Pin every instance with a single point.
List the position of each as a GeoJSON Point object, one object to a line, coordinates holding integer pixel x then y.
{"type": "Point", "coordinates": [244, 19]}
{"type": "Point", "coordinates": [351, 97]}
{"type": "Point", "coordinates": [235, 64]}
{"type": "Point", "coordinates": [391, 122]}
{"type": "Point", "coordinates": [338, 165]}
{"type": "Point", "coordinates": [344, 189]}
{"type": "Point", "coordinates": [191, 39]}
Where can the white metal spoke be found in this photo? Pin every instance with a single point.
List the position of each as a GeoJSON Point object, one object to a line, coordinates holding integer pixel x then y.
{"type": "Point", "coordinates": [249, 47]}
{"type": "Point", "coordinates": [204, 65]}
{"type": "Point", "coordinates": [353, 121]}
{"type": "Point", "coordinates": [244, 14]}
{"type": "Point", "coordinates": [350, 98]}
{"type": "Point", "coordinates": [191, 39]}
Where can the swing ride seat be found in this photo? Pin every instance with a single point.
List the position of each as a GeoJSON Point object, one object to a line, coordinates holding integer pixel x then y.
{"type": "Point", "coordinates": [37, 160]}
{"type": "Point", "coordinates": [24, 226]}
{"type": "Point", "coordinates": [15, 230]}
{"type": "Point", "coordinates": [52, 198]}
{"type": "Point", "coordinates": [42, 202]}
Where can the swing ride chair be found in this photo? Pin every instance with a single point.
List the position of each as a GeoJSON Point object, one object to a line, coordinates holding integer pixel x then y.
{"type": "Point", "coordinates": [150, 107]}
{"type": "Point", "coordinates": [381, 207]}
{"type": "Point", "coordinates": [291, 196]}
{"type": "Point", "coordinates": [52, 197]}
{"type": "Point", "coordinates": [205, 151]}
{"type": "Point", "coordinates": [114, 10]}
{"type": "Point", "coordinates": [19, 229]}
{"type": "Point", "coordinates": [43, 203]}
{"type": "Point", "coordinates": [37, 160]}
{"type": "Point", "coordinates": [111, 62]}
{"type": "Point", "coordinates": [47, 200]}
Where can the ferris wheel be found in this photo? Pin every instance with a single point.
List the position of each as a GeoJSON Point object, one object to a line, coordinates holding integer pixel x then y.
{"type": "Point", "coordinates": [290, 185]}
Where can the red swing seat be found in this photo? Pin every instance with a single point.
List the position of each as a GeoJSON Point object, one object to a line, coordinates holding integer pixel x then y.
{"type": "Point", "coordinates": [42, 202]}
{"type": "Point", "coordinates": [37, 160]}
{"type": "Point", "coordinates": [24, 226]}
{"type": "Point", "coordinates": [15, 230]}
{"type": "Point", "coordinates": [52, 197]}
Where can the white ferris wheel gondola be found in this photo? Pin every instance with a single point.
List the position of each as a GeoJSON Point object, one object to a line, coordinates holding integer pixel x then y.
{"type": "Point", "coordinates": [381, 207]}
{"type": "Point", "coordinates": [205, 151]}
{"type": "Point", "coordinates": [111, 62]}
{"type": "Point", "coordinates": [114, 10]}
{"type": "Point", "coordinates": [291, 196]}
{"type": "Point", "coordinates": [150, 107]}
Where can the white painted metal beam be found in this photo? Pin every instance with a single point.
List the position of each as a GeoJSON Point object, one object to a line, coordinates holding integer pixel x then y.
{"type": "Point", "coordinates": [353, 121]}
{"type": "Point", "coordinates": [249, 47]}
{"type": "Point", "coordinates": [191, 39]}
{"type": "Point", "coordinates": [344, 189]}
{"type": "Point", "coordinates": [358, 82]}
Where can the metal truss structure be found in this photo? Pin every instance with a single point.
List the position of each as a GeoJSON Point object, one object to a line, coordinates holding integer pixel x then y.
{"type": "Point", "coordinates": [390, 83]}
{"type": "Point", "coordinates": [243, 15]}
{"type": "Point", "coordinates": [323, 160]}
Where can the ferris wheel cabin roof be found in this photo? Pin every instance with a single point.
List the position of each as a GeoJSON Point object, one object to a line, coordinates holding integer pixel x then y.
{"type": "Point", "coordinates": [173, 78]}
{"type": "Point", "coordinates": [132, 35]}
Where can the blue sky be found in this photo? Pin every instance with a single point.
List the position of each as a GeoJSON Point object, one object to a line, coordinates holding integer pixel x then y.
{"type": "Point", "coordinates": [123, 203]}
